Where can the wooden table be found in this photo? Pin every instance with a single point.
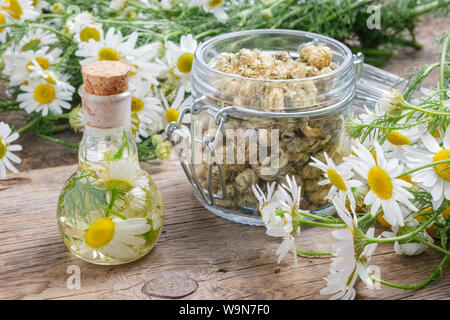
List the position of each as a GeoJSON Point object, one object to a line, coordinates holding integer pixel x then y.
{"type": "Point", "coordinates": [198, 256]}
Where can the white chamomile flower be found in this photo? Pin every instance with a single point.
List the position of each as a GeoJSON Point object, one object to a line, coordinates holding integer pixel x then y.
{"type": "Point", "coordinates": [392, 102]}
{"type": "Point", "coordinates": [44, 97]}
{"type": "Point", "coordinates": [76, 119]}
{"type": "Point", "coordinates": [112, 48]}
{"type": "Point", "coordinates": [77, 22]}
{"type": "Point", "coordinates": [213, 6]}
{"type": "Point", "coordinates": [385, 189]}
{"type": "Point", "coordinates": [349, 261]}
{"type": "Point", "coordinates": [410, 248]}
{"type": "Point", "coordinates": [180, 59]}
{"type": "Point", "coordinates": [140, 61]}
{"type": "Point", "coordinates": [369, 116]}
{"type": "Point", "coordinates": [117, 238]}
{"type": "Point", "coordinates": [93, 31]}
{"type": "Point", "coordinates": [84, 28]}
{"type": "Point", "coordinates": [435, 179]}
{"type": "Point", "coordinates": [36, 38]}
{"type": "Point", "coordinates": [118, 5]}
{"type": "Point", "coordinates": [277, 211]}
{"type": "Point", "coordinates": [171, 112]}
{"type": "Point", "coordinates": [340, 178]}
{"type": "Point", "coordinates": [7, 149]}
{"type": "Point", "coordinates": [145, 118]}
{"type": "Point", "coordinates": [121, 175]}
{"type": "Point", "coordinates": [40, 5]}
{"type": "Point", "coordinates": [19, 66]}
{"type": "Point", "coordinates": [59, 79]}
{"type": "Point", "coordinates": [20, 10]}
{"type": "Point", "coordinates": [402, 137]}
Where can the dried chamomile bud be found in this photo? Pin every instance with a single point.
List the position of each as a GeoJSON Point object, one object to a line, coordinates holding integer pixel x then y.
{"type": "Point", "coordinates": [317, 56]}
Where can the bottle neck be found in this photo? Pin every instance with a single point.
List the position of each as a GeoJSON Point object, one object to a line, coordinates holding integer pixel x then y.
{"type": "Point", "coordinates": [107, 135]}
{"type": "Point", "coordinates": [107, 144]}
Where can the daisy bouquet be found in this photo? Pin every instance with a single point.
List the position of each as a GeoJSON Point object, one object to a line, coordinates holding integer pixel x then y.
{"type": "Point", "coordinates": [43, 45]}
{"type": "Point", "coordinates": [396, 177]}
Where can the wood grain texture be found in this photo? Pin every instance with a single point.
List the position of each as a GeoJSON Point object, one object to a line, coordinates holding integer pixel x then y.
{"type": "Point", "coordinates": [200, 256]}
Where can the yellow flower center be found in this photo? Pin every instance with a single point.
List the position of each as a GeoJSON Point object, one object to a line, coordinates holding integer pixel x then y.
{"type": "Point", "coordinates": [172, 73]}
{"type": "Point", "coordinates": [442, 170]}
{"type": "Point", "coordinates": [336, 180]}
{"type": "Point", "coordinates": [2, 149]}
{"type": "Point", "coordinates": [435, 133]}
{"type": "Point", "coordinates": [89, 33]}
{"type": "Point", "coordinates": [172, 115]}
{"type": "Point", "coordinates": [406, 178]}
{"type": "Point", "coordinates": [382, 221]}
{"type": "Point", "coordinates": [119, 185]}
{"type": "Point", "coordinates": [137, 105]}
{"type": "Point", "coordinates": [14, 8]}
{"type": "Point", "coordinates": [43, 63]}
{"type": "Point", "coordinates": [134, 123]}
{"type": "Point", "coordinates": [49, 79]}
{"type": "Point", "coordinates": [108, 54]}
{"type": "Point", "coordinates": [380, 183]}
{"type": "Point", "coordinates": [44, 93]}
{"type": "Point", "coordinates": [348, 228]}
{"type": "Point", "coordinates": [398, 139]}
{"type": "Point", "coordinates": [215, 3]}
{"type": "Point", "coordinates": [2, 21]}
{"type": "Point", "coordinates": [134, 70]}
{"type": "Point", "coordinates": [35, 2]}
{"type": "Point", "coordinates": [99, 233]}
{"type": "Point", "coordinates": [184, 63]}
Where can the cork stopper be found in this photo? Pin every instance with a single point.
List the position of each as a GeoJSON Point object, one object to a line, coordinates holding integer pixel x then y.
{"type": "Point", "coordinates": [105, 78]}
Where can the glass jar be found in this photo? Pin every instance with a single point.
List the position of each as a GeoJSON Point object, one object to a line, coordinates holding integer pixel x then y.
{"type": "Point", "coordinates": [110, 210]}
{"type": "Point", "coordinates": [247, 131]}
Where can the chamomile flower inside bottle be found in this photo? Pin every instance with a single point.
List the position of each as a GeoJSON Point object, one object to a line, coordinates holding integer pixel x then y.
{"type": "Point", "coordinates": [110, 210]}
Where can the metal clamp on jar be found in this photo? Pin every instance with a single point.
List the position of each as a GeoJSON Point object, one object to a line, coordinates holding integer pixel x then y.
{"type": "Point", "coordinates": [243, 132]}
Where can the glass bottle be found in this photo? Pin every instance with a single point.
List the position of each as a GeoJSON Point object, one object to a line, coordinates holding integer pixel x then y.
{"type": "Point", "coordinates": [110, 210]}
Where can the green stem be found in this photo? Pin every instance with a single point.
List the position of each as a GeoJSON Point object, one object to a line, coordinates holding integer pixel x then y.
{"type": "Point", "coordinates": [313, 253]}
{"type": "Point", "coordinates": [59, 116]}
{"type": "Point", "coordinates": [313, 216]}
{"type": "Point", "coordinates": [419, 10]}
{"type": "Point", "coordinates": [67, 54]}
{"type": "Point", "coordinates": [28, 125]}
{"type": "Point", "coordinates": [206, 33]}
{"type": "Point", "coordinates": [419, 109]}
{"type": "Point", "coordinates": [130, 23]}
{"type": "Point", "coordinates": [57, 129]}
{"type": "Point", "coordinates": [43, 26]}
{"type": "Point", "coordinates": [399, 127]}
{"type": "Point", "coordinates": [110, 211]}
{"type": "Point", "coordinates": [423, 167]}
{"type": "Point", "coordinates": [437, 272]}
{"type": "Point", "coordinates": [419, 239]}
{"type": "Point", "coordinates": [442, 68]}
{"type": "Point", "coordinates": [111, 201]}
{"type": "Point", "coordinates": [420, 78]}
{"type": "Point", "coordinates": [306, 222]}
{"type": "Point", "coordinates": [444, 236]}
{"type": "Point", "coordinates": [406, 236]}
{"type": "Point", "coordinates": [62, 142]}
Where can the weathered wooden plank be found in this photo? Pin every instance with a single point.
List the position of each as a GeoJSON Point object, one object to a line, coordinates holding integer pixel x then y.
{"type": "Point", "coordinates": [199, 255]}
